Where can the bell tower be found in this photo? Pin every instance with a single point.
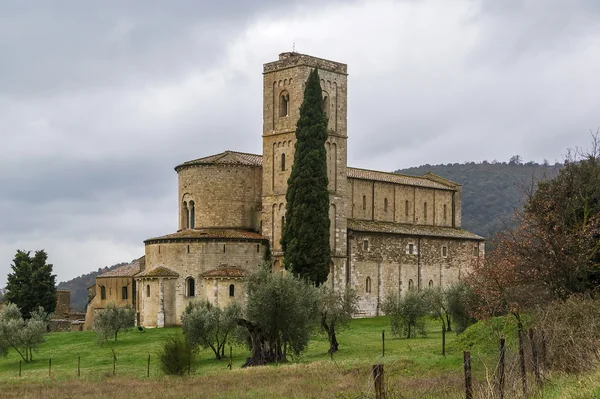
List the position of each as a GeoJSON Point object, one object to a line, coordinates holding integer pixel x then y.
{"type": "Point", "coordinates": [283, 93]}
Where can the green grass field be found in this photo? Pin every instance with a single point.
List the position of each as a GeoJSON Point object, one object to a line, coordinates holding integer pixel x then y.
{"type": "Point", "coordinates": [414, 368]}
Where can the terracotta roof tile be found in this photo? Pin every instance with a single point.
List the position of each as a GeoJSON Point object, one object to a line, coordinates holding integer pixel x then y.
{"type": "Point", "coordinates": [397, 178]}
{"type": "Point", "coordinates": [127, 270]}
{"type": "Point", "coordinates": [225, 158]}
{"type": "Point", "coordinates": [209, 233]}
{"type": "Point", "coordinates": [159, 271]}
{"type": "Point", "coordinates": [410, 229]}
{"type": "Point", "coordinates": [227, 272]}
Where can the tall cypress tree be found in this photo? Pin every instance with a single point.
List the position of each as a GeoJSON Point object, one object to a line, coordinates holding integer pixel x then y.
{"type": "Point", "coordinates": [31, 284]}
{"type": "Point", "coordinates": [305, 237]}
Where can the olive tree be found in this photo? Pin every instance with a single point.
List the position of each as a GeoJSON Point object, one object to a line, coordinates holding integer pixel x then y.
{"type": "Point", "coordinates": [337, 309]}
{"type": "Point", "coordinates": [209, 326]}
{"type": "Point", "coordinates": [407, 313]}
{"type": "Point", "coordinates": [112, 319]}
{"type": "Point", "coordinates": [22, 335]}
{"type": "Point", "coordinates": [281, 313]}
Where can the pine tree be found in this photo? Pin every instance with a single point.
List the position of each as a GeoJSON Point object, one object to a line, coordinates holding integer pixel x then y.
{"type": "Point", "coordinates": [305, 237]}
{"type": "Point", "coordinates": [31, 284]}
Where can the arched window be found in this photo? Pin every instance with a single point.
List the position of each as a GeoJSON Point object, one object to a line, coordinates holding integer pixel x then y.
{"type": "Point", "coordinates": [191, 287]}
{"type": "Point", "coordinates": [224, 248]}
{"type": "Point", "coordinates": [368, 285]}
{"type": "Point", "coordinates": [185, 216]}
{"type": "Point", "coordinates": [192, 215]}
{"type": "Point", "coordinates": [385, 204]}
{"type": "Point", "coordinates": [102, 292]}
{"type": "Point", "coordinates": [411, 285]}
{"type": "Point", "coordinates": [406, 206]}
{"type": "Point", "coordinates": [284, 104]}
{"type": "Point", "coordinates": [364, 203]}
{"type": "Point", "coordinates": [282, 162]}
{"type": "Point", "coordinates": [430, 283]}
{"type": "Point", "coordinates": [326, 104]}
{"type": "Point", "coordinates": [425, 211]}
{"type": "Point", "coordinates": [444, 212]}
{"type": "Point", "coordinates": [257, 248]}
{"type": "Point", "coordinates": [231, 290]}
{"type": "Point", "coordinates": [148, 290]}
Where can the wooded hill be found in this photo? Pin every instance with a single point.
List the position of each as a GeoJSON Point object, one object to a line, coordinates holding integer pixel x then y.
{"type": "Point", "coordinates": [491, 193]}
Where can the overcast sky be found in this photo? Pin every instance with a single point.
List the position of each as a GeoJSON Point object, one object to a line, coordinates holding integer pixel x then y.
{"type": "Point", "coordinates": [100, 100]}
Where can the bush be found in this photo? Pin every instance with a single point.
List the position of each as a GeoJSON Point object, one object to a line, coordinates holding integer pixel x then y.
{"type": "Point", "coordinates": [177, 357]}
{"type": "Point", "coordinates": [569, 331]}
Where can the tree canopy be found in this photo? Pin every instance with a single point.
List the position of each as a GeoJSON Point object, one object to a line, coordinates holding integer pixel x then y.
{"type": "Point", "coordinates": [305, 237]}
{"type": "Point", "coordinates": [22, 335]}
{"type": "Point", "coordinates": [31, 284]}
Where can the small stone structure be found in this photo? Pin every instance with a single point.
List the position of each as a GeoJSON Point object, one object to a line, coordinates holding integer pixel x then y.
{"type": "Point", "coordinates": [389, 232]}
{"type": "Point", "coordinates": [62, 318]}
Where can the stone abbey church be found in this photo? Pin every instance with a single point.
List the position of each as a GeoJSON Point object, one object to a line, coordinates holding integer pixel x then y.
{"type": "Point", "coordinates": [389, 232]}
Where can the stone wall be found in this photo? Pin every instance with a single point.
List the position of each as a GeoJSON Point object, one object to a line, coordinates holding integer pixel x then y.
{"type": "Point", "coordinates": [63, 304]}
{"type": "Point", "coordinates": [191, 260]}
{"type": "Point", "coordinates": [385, 260]}
{"type": "Point", "coordinates": [218, 290]}
{"type": "Point", "coordinates": [226, 196]}
{"type": "Point", "coordinates": [389, 202]}
{"type": "Point", "coordinates": [114, 289]}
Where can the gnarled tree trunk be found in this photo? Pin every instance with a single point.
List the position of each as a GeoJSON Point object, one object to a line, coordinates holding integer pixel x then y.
{"type": "Point", "coordinates": [264, 349]}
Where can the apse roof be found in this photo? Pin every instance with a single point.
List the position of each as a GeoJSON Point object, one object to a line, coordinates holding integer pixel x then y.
{"type": "Point", "coordinates": [195, 234]}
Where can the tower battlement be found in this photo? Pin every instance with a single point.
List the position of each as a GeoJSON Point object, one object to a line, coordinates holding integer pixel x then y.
{"type": "Point", "coordinates": [293, 59]}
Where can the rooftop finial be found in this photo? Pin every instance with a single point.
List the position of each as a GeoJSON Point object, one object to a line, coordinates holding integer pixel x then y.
{"type": "Point", "coordinates": [294, 47]}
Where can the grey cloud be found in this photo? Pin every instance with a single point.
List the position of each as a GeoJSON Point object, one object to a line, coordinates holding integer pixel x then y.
{"type": "Point", "coordinates": [100, 100]}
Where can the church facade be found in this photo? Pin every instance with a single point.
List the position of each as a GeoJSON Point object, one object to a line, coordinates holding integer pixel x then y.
{"type": "Point", "coordinates": [389, 232]}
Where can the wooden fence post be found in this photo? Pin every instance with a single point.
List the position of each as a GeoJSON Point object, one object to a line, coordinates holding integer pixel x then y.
{"type": "Point", "coordinates": [148, 369]}
{"type": "Point", "coordinates": [20, 365]}
{"type": "Point", "coordinates": [383, 343]}
{"type": "Point", "coordinates": [522, 360]}
{"type": "Point", "coordinates": [534, 355]}
{"type": "Point", "coordinates": [50, 367]}
{"type": "Point", "coordinates": [501, 364]}
{"type": "Point", "coordinates": [114, 364]}
{"type": "Point", "coordinates": [468, 380]}
{"type": "Point", "coordinates": [378, 380]}
{"type": "Point", "coordinates": [78, 366]}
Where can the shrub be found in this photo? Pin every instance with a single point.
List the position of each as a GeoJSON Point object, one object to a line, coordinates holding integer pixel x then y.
{"type": "Point", "coordinates": [569, 333]}
{"type": "Point", "coordinates": [177, 357]}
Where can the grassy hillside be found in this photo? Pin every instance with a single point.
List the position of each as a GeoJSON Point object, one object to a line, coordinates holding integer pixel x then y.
{"type": "Point", "coordinates": [491, 191]}
{"type": "Point", "coordinates": [414, 368]}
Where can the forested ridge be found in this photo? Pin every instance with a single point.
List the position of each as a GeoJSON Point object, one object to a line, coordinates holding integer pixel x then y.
{"type": "Point", "coordinates": [492, 191]}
